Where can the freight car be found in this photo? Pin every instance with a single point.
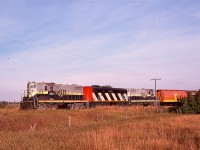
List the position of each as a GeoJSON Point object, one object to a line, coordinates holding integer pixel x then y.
{"type": "Point", "coordinates": [171, 97]}
{"type": "Point", "coordinates": [44, 95]}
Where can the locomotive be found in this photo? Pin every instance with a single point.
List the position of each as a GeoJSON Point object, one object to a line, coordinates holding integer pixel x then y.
{"type": "Point", "coordinates": [42, 95]}
{"type": "Point", "coordinates": [141, 96]}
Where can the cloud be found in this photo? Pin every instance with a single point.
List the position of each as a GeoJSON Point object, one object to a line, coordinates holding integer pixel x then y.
{"type": "Point", "coordinates": [196, 15]}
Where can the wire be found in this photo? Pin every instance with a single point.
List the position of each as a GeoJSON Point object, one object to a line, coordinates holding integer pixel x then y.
{"type": "Point", "coordinates": [81, 58]}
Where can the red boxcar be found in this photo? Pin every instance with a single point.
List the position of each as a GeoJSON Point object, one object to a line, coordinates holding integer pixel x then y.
{"type": "Point", "coordinates": [169, 96]}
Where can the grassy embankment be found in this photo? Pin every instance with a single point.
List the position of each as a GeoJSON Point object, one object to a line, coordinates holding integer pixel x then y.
{"type": "Point", "coordinates": [99, 128]}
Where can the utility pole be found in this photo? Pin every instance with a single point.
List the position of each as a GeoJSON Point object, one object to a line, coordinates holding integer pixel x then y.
{"type": "Point", "coordinates": [155, 79]}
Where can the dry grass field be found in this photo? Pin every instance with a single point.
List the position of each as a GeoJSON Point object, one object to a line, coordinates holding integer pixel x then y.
{"type": "Point", "coordinates": [102, 128]}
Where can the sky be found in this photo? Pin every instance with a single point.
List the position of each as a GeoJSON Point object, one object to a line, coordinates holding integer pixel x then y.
{"type": "Point", "coordinates": [122, 43]}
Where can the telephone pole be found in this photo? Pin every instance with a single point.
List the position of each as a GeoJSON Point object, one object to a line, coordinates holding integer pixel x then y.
{"type": "Point", "coordinates": [155, 79]}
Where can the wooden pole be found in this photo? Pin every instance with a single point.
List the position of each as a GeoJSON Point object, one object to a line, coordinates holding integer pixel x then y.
{"type": "Point", "coordinates": [157, 104]}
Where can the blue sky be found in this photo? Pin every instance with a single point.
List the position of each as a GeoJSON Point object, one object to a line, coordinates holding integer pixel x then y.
{"type": "Point", "coordinates": [123, 43]}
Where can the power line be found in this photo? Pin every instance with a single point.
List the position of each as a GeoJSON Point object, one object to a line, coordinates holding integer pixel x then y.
{"type": "Point", "coordinates": [20, 38]}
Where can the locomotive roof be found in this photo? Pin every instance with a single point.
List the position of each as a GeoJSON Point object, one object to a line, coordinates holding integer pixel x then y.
{"type": "Point", "coordinates": [54, 84]}
{"type": "Point", "coordinates": [108, 88]}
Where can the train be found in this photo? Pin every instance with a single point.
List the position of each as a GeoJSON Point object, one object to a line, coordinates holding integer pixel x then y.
{"type": "Point", "coordinates": [43, 95]}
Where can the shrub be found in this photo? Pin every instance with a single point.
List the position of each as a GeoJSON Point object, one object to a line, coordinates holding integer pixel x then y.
{"type": "Point", "coordinates": [3, 104]}
{"type": "Point", "coordinates": [191, 104]}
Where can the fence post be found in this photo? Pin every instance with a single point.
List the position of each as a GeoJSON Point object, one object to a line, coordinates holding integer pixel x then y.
{"type": "Point", "coordinates": [69, 122]}
{"type": "Point", "coordinates": [102, 117]}
{"type": "Point", "coordinates": [145, 114]}
{"type": "Point", "coordinates": [161, 109]}
{"type": "Point", "coordinates": [177, 111]}
{"type": "Point", "coordinates": [32, 128]}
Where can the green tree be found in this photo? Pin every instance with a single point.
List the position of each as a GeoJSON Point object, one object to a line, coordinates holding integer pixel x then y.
{"type": "Point", "coordinates": [191, 104]}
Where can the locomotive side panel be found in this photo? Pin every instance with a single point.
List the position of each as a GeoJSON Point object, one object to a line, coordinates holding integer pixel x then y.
{"type": "Point", "coordinates": [107, 94]}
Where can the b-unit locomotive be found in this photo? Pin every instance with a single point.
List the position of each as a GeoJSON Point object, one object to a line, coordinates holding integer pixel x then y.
{"type": "Point", "coordinates": [141, 96]}
{"type": "Point", "coordinates": [105, 95]}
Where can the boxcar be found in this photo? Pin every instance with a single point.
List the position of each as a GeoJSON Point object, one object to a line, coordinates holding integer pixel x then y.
{"type": "Point", "coordinates": [170, 97]}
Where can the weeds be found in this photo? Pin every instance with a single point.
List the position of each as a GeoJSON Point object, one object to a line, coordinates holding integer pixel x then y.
{"type": "Point", "coordinates": [119, 128]}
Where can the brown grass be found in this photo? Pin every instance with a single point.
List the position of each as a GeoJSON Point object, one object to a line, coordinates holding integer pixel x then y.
{"type": "Point", "coordinates": [100, 128]}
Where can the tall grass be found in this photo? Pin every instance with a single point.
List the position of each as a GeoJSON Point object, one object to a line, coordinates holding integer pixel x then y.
{"type": "Point", "coordinates": [100, 128]}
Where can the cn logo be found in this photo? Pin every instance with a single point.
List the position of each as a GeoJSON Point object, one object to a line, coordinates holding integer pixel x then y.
{"type": "Point", "coordinates": [175, 96]}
